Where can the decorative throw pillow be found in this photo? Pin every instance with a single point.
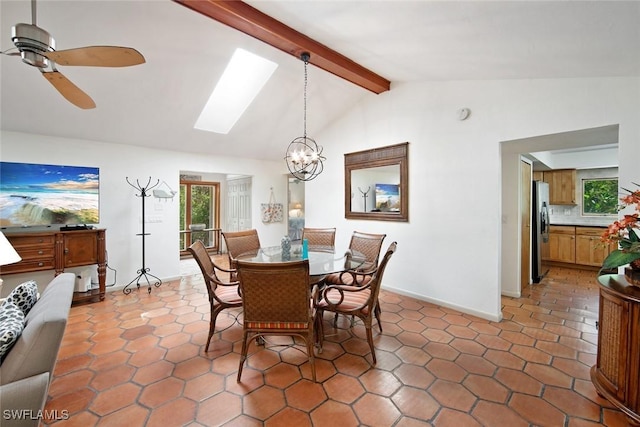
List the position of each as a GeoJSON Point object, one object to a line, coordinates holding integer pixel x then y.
{"type": "Point", "coordinates": [24, 296]}
{"type": "Point", "coordinates": [11, 325]}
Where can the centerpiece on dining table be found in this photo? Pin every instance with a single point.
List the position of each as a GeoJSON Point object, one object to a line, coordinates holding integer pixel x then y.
{"type": "Point", "coordinates": [625, 232]}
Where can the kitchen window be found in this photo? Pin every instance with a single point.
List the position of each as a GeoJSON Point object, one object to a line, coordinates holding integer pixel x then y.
{"type": "Point", "coordinates": [600, 196]}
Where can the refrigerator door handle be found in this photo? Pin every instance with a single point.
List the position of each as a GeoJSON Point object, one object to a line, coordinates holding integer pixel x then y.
{"type": "Point", "coordinates": [544, 222]}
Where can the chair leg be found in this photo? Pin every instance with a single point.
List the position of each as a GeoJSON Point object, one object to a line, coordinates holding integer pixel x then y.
{"type": "Point", "coordinates": [377, 312]}
{"type": "Point", "coordinates": [312, 359]}
{"type": "Point", "coordinates": [316, 332]}
{"type": "Point", "coordinates": [243, 353]}
{"type": "Point", "coordinates": [212, 324]}
{"type": "Point", "coordinates": [370, 340]}
{"type": "Point", "coordinates": [320, 329]}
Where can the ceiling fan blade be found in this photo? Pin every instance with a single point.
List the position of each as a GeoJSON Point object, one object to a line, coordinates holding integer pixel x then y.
{"type": "Point", "coordinates": [97, 56]}
{"type": "Point", "coordinates": [71, 92]}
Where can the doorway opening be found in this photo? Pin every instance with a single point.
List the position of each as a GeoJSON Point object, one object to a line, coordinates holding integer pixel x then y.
{"type": "Point", "coordinates": [199, 215]}
{"type": "Point", "coordinates": [590, 145]}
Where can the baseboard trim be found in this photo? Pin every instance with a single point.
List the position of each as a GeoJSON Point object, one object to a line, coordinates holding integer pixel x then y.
{"type": "Point", "coordinates": [435, 301]}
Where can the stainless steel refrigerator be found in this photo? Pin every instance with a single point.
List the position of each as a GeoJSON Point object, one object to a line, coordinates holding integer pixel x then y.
{"type": "Point", "coordinates": [539, 227]}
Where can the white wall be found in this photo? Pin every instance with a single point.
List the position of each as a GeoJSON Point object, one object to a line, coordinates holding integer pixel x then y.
{"type": "Point", "coordinates": [460, 246]}
{"type": "Point", "coordinates": [120, 209]}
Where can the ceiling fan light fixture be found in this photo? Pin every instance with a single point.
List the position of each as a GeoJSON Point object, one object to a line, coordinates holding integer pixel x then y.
{"type": "Point", "coordinates": [304, 156]}
{"type": "Point", "coordinates": [32, 42]}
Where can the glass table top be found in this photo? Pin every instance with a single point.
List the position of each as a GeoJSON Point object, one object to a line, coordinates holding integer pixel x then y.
{"type": "Point", "coordinates": [321, 262]}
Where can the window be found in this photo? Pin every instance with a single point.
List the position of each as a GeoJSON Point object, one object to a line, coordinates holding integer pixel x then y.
{"type": "Point", "coordinates": [599, 196]}
{"type": "Point", "coordinates": [199, 214]}
{"type": "Point", "coordinates": [240, 83]}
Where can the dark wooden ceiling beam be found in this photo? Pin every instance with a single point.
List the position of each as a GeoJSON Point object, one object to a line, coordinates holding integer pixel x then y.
{"type": "Point", "coordinates": [251, 21]}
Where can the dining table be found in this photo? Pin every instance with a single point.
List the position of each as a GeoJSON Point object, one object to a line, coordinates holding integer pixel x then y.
{"type": "Point", "coordinates": [322, 261]}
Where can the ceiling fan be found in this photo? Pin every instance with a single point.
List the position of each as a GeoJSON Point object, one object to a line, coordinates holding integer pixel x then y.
{"type": "Point", "coordinates": [37, 48]}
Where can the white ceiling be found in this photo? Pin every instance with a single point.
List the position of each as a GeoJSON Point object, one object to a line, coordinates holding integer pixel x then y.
{"type": "Point", "coordinates": [157, 103]}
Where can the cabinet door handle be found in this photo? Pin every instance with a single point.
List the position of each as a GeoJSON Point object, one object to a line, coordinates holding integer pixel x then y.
{"type": "Point", "coordinates": [40, 264]}
{"type": "Point", "coordinates": [40, 252]}
{"type": "Point", "coordinates": [66, 250]}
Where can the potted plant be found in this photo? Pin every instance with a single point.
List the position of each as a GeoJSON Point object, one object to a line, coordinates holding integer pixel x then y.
{"type": "Point", "coordinates": [625, 233]}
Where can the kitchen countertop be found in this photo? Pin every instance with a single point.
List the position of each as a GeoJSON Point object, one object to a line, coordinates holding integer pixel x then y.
{"type": "Point", "coordinates": [575, 223]}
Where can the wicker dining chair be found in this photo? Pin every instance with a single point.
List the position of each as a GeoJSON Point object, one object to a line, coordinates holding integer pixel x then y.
{"type": "Point", "coordinates": [360, 301]}
{"type": "Point", "coordinates": [364, 247]}
{"type": "Point", "coordinates": [320, 239]}
{"type": "Point", "coordinates": [222, 294]}
{"type": "Point", "coordinates": [277, 301]}
{"type": "Point", "coordinates": [239, 243]}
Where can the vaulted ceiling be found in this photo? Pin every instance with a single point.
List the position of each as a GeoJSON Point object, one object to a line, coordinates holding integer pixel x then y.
{"type": "Point", "coordinates": [157, 103]}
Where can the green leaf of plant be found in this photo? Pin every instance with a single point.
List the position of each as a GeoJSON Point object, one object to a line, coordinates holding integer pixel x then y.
{"type": "Point", "coordinates": [618, 258]}
{"type": "Point", "coordinates": [633, 236]}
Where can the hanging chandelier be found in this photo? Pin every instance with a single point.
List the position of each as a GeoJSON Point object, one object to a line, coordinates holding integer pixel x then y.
{"type": "Point", "coordinates": [304, 157]}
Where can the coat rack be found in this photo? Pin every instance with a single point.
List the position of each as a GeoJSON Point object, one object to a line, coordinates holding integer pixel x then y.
{"type": "Point", "coordinates": [364, 196]}
{"type": "Point", "coordinates": [144, 191]}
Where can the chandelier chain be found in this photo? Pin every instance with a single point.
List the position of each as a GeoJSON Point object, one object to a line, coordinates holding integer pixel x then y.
{"type": "Point", "coordinates": [306, 62]}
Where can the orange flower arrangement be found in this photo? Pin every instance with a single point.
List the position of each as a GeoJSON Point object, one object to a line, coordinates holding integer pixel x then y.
{"type": "Point", "coordinates": [624, 233]}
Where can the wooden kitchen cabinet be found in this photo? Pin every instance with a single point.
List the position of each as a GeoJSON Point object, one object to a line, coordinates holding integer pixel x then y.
{"type": "Point", "coordinates": [590, 250]}
{"type": "Point", "coordinates": [576, 246]}
{"type": "Point", "coordinates": [562, 243]}
{"type": "Point", "coordinates": [616, 374]}
{"type": "Point", "coordinates": [57, 250]}
{"type": "Point", "coordinates": [562, 186]}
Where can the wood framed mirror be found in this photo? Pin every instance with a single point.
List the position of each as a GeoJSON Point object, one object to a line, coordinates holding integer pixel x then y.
{"type": "Point", "coordinates": [376, 184]}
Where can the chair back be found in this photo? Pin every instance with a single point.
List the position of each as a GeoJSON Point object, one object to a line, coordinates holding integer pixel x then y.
{"type": "Point", "coordinates": [320, 239]}
{"type": "Point", "coordinates": [376, 280]}
{"type": "Point", "coordinates": [366, 246]}
{"type": "Point", "coordinates": [207, 267]}
{"type": "Point", "coordinates": [222, 294]}
{"type": "Point", "coordinates": [240, 242]}
{"type": "Point", "coordinates": [276, 293]}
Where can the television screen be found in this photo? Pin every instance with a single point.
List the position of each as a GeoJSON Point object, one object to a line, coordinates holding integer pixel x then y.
{"type": "Point", "coordinates": [34, 194]}
{"type": "Point", "coordinates": [387, 197]}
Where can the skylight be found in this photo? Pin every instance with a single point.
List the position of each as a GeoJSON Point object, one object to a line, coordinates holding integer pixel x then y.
{"type": "Point", "coordinates": [240, 83]}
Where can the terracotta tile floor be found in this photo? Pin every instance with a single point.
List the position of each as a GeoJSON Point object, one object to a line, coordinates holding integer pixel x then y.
{"type": "Point", "coordinates": [139, 360]}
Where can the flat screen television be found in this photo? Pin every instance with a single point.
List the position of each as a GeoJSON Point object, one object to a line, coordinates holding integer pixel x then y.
{"type": "Point", "coordinates": [37, 194]}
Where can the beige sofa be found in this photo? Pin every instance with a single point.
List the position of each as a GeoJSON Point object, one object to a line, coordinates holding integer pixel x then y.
{"type": "Point", "coordinates": [26, 371]}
